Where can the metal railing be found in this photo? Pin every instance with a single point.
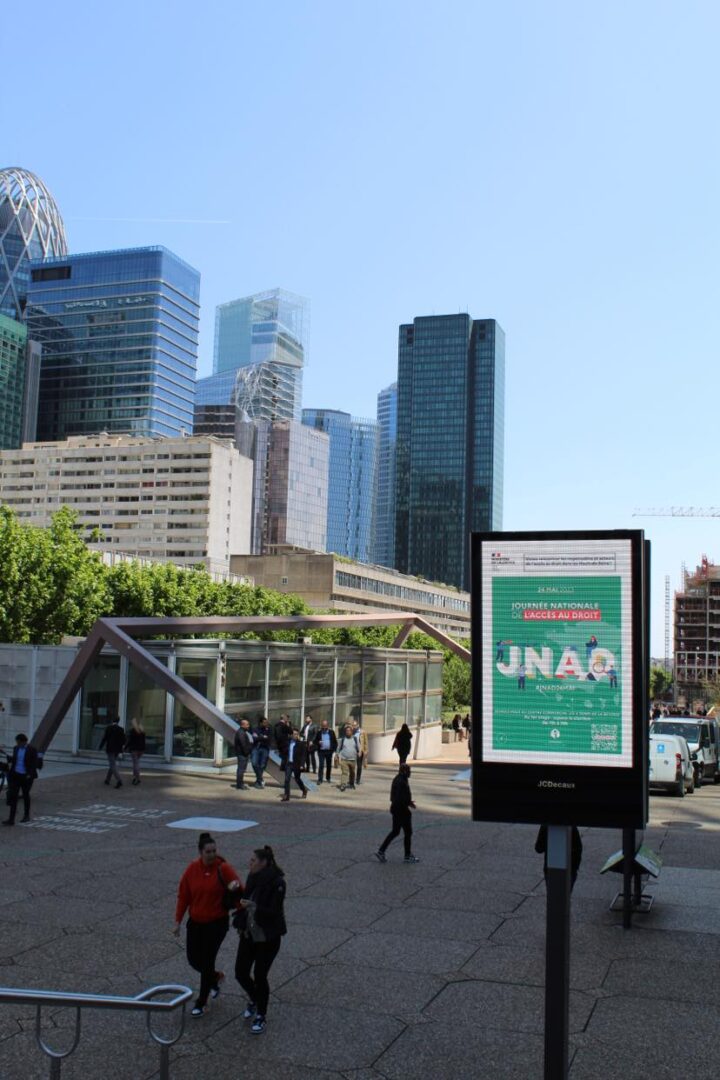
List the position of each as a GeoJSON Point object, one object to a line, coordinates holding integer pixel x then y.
{"type": "Point", "coordinates": [141, 1003]}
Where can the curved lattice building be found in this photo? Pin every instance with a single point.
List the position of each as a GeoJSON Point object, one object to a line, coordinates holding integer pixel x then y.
{"type": "Point", "coordinates": [30, 228]}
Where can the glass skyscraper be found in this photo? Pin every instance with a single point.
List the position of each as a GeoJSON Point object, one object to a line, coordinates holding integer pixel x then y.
{"type": "Point", "coordinates": [384, 539]}
{"type": "Point", "coordinates": [352, 480]}
{"type": "Point", "coordinates": [30, 228]}
{"type": "Point", "coordinates": [450, 432]}
{"type": "Point", "coordinates": [13, 347]}
{"type": "Point", "coordinates": [119, 333]}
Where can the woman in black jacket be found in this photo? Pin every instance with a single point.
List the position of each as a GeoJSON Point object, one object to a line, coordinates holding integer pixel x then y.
{"type": "Point", "coordinates": [401, 743]}
{"type": "Point", "coordinates": [261, 925]}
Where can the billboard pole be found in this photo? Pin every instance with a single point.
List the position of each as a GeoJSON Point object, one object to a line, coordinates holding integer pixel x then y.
{"type": "Point", "coordinates": [557, 952]}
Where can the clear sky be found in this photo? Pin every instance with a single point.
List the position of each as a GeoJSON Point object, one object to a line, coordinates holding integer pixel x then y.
{"type": "Point", "coordinates": [551, 164]}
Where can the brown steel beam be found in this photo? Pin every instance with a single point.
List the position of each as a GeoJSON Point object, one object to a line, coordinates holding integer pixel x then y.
{"type": "Point", "coordinates": [71, 683]}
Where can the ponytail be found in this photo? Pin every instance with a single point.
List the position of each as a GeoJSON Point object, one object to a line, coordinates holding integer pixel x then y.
{"type": "Point", "coordinates": [266, 855]}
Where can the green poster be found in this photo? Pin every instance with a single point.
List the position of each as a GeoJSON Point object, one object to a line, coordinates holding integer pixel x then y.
{"type": "Point", "coordinates": [558, 665]}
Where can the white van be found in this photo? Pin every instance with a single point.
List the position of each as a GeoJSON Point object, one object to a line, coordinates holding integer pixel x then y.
{"type": "Point", "coordinates": [701, 735]}
{"type": "Point", "coordinates": [670, 766]}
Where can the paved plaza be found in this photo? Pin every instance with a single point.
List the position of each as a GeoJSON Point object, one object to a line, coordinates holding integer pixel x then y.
{"type": "Point", "coordinates": [393, 972]}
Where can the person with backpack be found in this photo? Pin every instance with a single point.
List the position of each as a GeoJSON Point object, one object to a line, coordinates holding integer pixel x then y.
{"type": "Point", "coordinates": [348, 749]}
{"type": "Point", "coordinates": [23, 771]}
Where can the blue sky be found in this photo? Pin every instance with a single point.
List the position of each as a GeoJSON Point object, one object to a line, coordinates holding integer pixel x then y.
{"type": "Point", "coordinates": [553, 165]}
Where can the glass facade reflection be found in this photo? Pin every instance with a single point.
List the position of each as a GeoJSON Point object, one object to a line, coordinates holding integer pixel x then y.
{"type": "Point", "coordinates": [449, 455]}
{"type": "Point", "coordinates": [384, 534]}
{"type": "Point", "coordinates": [352, 480]}
{"type": "Point", "coordinates": [119, 332]}
{"type": "Point", "coordinates": [254, 679]}
{"type": "Point", "coordinates": [13, 344]}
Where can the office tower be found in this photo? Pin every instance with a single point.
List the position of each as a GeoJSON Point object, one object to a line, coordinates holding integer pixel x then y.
{"type": "Point", "coordinates": [265, 335]}
{"type": "Point", "coordinates": [384, 540]}
{"type": "Point", "coordinates": [352, 480]}
{"type": "Point", "coordinates": [290, 487]}
{"type": "Point", "coordinates": [449, 458]}
{"type": "Point", "coordinates": [13, 349]}
{"type": "Point", "coordinates": [182, 500]}
{"type": "Point", "coordinates": [119, 333]}
{"type": "Point", "coordinates": [30, 228]}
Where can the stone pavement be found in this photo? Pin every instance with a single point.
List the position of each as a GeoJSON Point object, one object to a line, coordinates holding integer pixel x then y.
{"type": "Point", "coordinates": [396, 972]}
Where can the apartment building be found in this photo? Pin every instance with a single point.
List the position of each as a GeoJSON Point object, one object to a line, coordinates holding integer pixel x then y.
{"type": "Point", "coordinates": [333, 583]}
{"type": "Point", "coordinates": [697, 629]}
{"type": "Point", "coordinates": [184, 500]}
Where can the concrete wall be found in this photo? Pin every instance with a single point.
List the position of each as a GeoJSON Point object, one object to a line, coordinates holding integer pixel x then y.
{"type": "Point", "coordinates": [29, 677]}
{"type": "Point", "coordinates": [427, 743]}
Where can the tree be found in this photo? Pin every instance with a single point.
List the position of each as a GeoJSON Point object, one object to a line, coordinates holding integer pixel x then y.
{"type": "Point", "coordinates": [456, 683]}
{"type": "Point", "coordinates": [660, 683]}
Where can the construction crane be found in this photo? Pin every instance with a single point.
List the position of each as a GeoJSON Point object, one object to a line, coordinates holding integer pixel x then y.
{"type": "Point", "coordinates": [678, 511]}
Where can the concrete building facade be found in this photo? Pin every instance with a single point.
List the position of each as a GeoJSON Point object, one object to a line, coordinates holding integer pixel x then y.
{"type": "Point", "coordinates": [329, 583]}
{"type": "Point", "coordinates": [186, 501]}
{"type": "Point", "coordinates": [697, 630]}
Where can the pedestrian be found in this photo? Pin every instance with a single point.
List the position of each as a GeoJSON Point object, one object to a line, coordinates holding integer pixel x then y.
{"type": "Point", "coordinates": [326, 745]}
{"type": "Point", "coordinates": [261, 750]}
{"type": "Point", "coordinates": [456, 727]}
{"type": "Point", "coordinates": [203, 891]}
{"type": "Point", "coordinates": [294, 761]}
{"type": "Point", "coordinates": [401, 743]}
{"type": "Point", "coordinates": [283, 731]}
{"type": "Point", "coordinates": [309, 731]}
{"type": "Point", "coordinates": [362, 749]}
{"type": "Point", "coordinates": [575, 852]}
{"type": "Point", "coordinates": [260, 922]}
{"type": "Point", "coordinates": [243, 748]}
{"type": "Point", "coordinates": [21, 774]}
{"type": "Point", "coordinates": [466, 725]}
{"type": "Point", "coordinates": [348, 748]}
{"type": "Point", "coordinates": [136, 747]}
{"type": "Point", "coordinates": [114, 742]}
{"type": "Point", "coordinates": [401, 807]}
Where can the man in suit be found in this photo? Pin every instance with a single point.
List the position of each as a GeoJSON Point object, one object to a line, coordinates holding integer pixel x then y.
{"type": "Point", "coordinates": [114, 742]}
{"type": "Point", "coordinates": [23, 770]}
{"type": "Point", "coordinates": [282, 732]}
{"type": "Point", "coordinates": [296, 757]}
{"type": "Point", "coordinates": [308, 733]}
{"type": "Point", "coordinates": [326, 745]}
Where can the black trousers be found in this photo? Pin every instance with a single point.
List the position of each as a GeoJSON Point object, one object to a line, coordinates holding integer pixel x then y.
{"type": "Point", "coordinates": [358, 771]}
{"type": "Point", "coordinates": [203, 944]}
{"type": "Point", "coordinates": [291, 769]}
{"type": "Point", "coordinates": [324, 759]}
{"type": "Point", "coordinates": [18, 783]}
{"type": "Point", "coordinates": [261, 954]}
{"type": "Point", "coordinates": [401, 819]}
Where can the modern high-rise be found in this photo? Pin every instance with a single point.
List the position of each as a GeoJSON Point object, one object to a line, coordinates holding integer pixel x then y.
{"type": "Point", "coordinates": [290, 493]}
{"type": "Point", "coordinates": [13, 348]}
{"type": "Point", "coordinates": [30, 228]}
{"type": "Point", "coordinates": [449, 457]}
{"type": "Point", "coordinates": [384, 539]}
{"type": "Point", "coordinates": [352, 480]}
{"type": "Point", "coordinates": [119, 333]}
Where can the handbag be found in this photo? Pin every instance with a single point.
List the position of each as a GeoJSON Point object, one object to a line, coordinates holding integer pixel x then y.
{"type": "Point", "coordinates": [230, 897]}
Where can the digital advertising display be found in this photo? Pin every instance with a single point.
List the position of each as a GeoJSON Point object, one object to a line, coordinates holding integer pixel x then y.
{"type": "Point", "coordinates": [559, 655]}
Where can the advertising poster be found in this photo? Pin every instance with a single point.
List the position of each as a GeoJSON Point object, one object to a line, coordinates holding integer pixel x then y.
{"type": "Point", "coordinates": [557, 652]}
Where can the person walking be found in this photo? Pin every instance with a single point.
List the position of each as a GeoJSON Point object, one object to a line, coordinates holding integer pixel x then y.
{"type": "Point", "coordinates": [362, 749]}
{"type": "Point", "coordinates": [401, 807]}
{"type": "Point", "coordinates": [261, 750]}
{"type": "Point", "coordinates": [114, 742]}
{"type": "Point", "coordinates": [294, 761]}
{"type": "Point", "coordinates": [401, 743]}
{"type": "Point", "coordinates": [326, 745]}
{"type": "Point", "coordinates": [308, 733]}
{"type": "Point", "coordinates": [243, 748]}
{"type": "Point", "coordinates": [202, 892]}
{"type": "Point", "coordinates": [466, 725]}
{"type": "Point", "coordinates": [136, 747]}
{"type": "Point", "coordinates": [283, 732]}
{"type": "Point", "coordinates": [260, 923]}
{"type": "Point", "coordinates": [23, 771]}
{"type": "Point", "coordinates": [348, 748]}
{"type": "Point", "coordinates": [456, 727]}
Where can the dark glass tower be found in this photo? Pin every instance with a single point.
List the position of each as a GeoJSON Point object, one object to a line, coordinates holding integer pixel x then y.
{"type": "Point", "coordinates": [449, 458]}
{"type": "Point", "coordinates": [119, 336]}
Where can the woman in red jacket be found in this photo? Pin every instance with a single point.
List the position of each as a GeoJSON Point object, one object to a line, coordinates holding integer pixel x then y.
{"type": "Point", "coordinates": [203, 888]}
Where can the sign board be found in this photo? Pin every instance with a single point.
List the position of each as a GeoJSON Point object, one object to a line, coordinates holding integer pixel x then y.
{"type": "Point", "coordinates": [559, 644]}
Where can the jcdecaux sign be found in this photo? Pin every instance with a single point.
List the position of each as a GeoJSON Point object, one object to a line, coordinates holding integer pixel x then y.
{"type": "Point", "coordinates": [559, 644]}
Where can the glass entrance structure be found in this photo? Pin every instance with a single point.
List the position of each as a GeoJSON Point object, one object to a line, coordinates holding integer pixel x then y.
{"type": "Point", "coordinates": [382, 687]}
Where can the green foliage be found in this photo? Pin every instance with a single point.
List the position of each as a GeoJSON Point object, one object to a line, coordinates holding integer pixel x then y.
{"type": "Point", "coordinates": [660, 683]}
{"type": "Point", "coordinates": [51, 584]}
{"type": "Point", "coordinates": [456, 683]}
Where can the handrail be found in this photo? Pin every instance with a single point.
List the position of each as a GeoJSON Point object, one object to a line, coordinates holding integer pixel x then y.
{"type": "Point", "coordinates": [143, 1002]}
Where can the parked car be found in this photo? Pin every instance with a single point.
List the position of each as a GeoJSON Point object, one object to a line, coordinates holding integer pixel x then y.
{"type": "Point", "coordinates": [671, 767]}
{"type": "Point", "coordinates": [702, 735]}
